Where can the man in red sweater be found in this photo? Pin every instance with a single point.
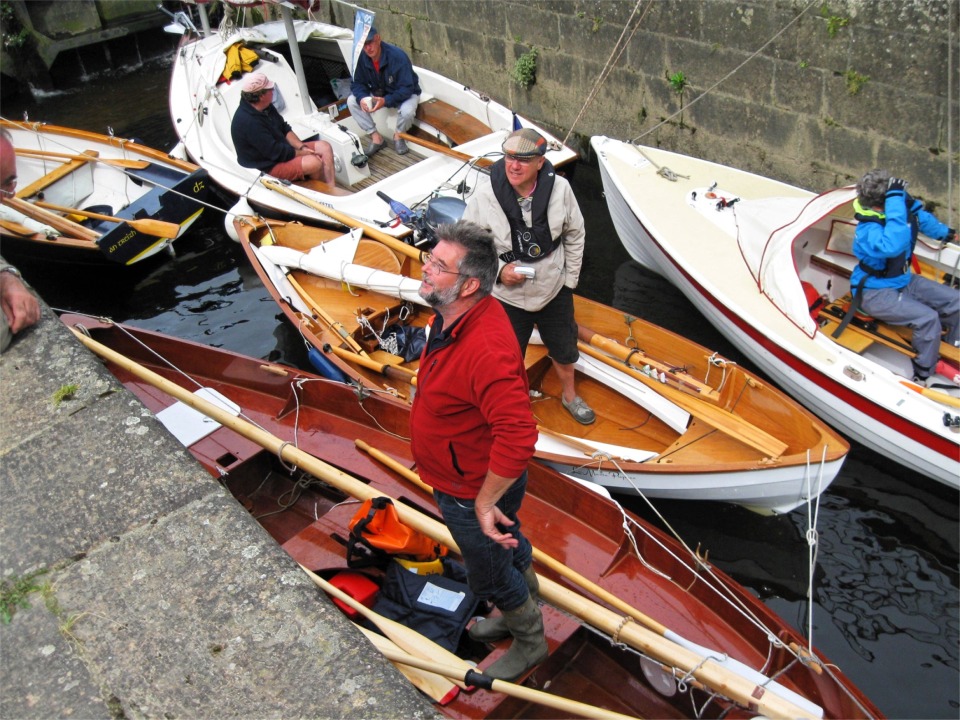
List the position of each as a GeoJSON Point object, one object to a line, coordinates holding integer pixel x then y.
{"type": "Point", "coordinates": [473, 433]}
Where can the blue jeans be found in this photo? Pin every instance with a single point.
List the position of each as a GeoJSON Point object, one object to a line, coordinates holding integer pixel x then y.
{"type": "Point", "coordinates": [493, 571]}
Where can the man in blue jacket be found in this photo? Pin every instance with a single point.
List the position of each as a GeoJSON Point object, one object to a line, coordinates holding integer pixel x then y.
{"type": "Point", "coordinates": [384, 77]}
{"type": "Point", "coordinates": [889, 222]}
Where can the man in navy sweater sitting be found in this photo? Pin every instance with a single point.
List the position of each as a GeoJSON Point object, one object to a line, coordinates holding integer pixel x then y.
{"type": "Point", "coordinates": [384, 77]}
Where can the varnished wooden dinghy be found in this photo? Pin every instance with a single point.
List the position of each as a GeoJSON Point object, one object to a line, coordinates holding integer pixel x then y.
{"type": "Point", "coordinates": [651, 665]}
{"type": "Point", "coordinates": [674, 419]}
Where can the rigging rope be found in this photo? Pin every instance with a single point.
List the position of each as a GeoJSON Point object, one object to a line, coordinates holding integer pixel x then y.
{"type": "Point", "coordinates": [729, 74]}
{"type": "Point", "coordinates": [612, 60]}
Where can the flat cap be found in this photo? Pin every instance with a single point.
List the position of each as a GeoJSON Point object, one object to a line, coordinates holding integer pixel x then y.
{"type": "Point", "coordinates": [525, 142]}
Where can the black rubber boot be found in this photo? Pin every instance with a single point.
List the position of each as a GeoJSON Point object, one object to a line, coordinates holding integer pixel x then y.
{"type": "Point", "coordinates": [529, 647]}
{"type": "Point", "coordinates": [492, 629]}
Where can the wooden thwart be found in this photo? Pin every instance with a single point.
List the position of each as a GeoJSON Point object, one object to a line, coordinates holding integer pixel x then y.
{"type": "Point", "coordinates": [456, 124]}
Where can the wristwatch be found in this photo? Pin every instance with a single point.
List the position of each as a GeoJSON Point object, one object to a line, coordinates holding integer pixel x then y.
{"type": "Point", "coordinates": [12, 270]}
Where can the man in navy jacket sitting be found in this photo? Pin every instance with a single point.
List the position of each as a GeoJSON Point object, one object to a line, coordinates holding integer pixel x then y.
{"type": "Point", "coordinates": [384, 77]}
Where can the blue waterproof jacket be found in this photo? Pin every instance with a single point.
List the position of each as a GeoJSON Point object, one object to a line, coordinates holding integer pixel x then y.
{"type": "Point", "coordinates": [880, 237]}
{"type": "Point", "coordinates": [395, 82]}
{"type": "Point", "coordinates": [260, 137]}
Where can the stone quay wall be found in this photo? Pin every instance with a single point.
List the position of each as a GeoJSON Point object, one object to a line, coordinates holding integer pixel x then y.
{"type": "Point", "coordinates": [812, 93]}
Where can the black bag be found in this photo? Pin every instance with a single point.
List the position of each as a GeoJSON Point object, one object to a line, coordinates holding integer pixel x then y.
{"type": "Point", "coordinates": [407, 341]}
{"type": "Point", "coordinates": [436, 606]}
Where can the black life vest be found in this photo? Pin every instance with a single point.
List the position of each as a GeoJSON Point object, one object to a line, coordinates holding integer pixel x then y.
{"type": "Point", "coordinates": [529, 244]}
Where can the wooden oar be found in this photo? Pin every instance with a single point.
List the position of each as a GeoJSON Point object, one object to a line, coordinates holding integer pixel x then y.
{"type": "Point", "coordinates": [744, 687]}
{"type": "Point", "coordinates": [936, 395]}
{"type": "Point", "coordinates": [445, 150]}
{"type": "Point", "coordinates": [118, 162]}
{"type": "Point", "coordinates": [472, 676]}
{"type": "Point", "coordinates": [67, 227]}
{"type": "Point", "coordinates": [419, 647]}
{"type": "Point", "coordinates": [392, 371]}
{"type": "Point", "coordinates": [437, 687]}
{"type": "Point", "coordinates": [372, 232]}
{"type": "Point", "coordinates": [17, 229]}
{"type": "Point", "coordinates": [538, 555]}
{"type": "Point", "coordinates": [407, 638]}
{"type": "Point", "coordinates": [637, 359]}
{"type": "Point", "coordinates": [723, 420]}
{"type": "Point", "coordinates": [147, 226]}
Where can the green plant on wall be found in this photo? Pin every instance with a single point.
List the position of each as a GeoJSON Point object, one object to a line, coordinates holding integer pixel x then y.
{"type": "Point", "coordinates": [855, 81]}
{"type": "Point", "coordinates": [14, 34]}
{"type": "Point", "coordinates": [524, 71]}
{"type": "Point", "coordinates": [834, 22]}
{"type": "Point", "coordinates": [678, 81]}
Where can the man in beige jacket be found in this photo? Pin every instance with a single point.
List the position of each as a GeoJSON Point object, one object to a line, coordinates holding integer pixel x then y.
{"type": "Point", "coordinates": [539, 231]}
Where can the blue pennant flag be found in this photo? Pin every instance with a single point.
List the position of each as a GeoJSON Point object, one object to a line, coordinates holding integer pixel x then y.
{"type": "Point", "coordinates": [362, 22]}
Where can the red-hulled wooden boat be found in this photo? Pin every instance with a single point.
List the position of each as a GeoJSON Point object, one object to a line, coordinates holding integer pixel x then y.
{"type": "Point", "coordinates": [684, 602]}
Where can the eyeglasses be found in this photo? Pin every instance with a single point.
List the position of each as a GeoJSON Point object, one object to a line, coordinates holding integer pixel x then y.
{"type": "Point", "coordinates": [521, 160]}
{"type": "Point", "coordinates": [429, 259]}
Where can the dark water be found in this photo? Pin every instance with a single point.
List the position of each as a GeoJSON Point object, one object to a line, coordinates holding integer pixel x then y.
{"type": "Point", "coordinates": [885, 586]}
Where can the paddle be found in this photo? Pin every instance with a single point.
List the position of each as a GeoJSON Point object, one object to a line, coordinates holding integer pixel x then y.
{"type": "Point", "coordinates": [370, 231]}
{"type": "Point", "coordinates": [744, 689]}
{"type": "Point", "coordinates": [936, 395]}
{"type": "Point", "coordinates": [64, 225]}
{"type": "Point", "coordinates": [391, 371]}
{"type": "Point", "coordinates": [147, 226]}
{"type": "Point", "coordinates": [437, 687]}
{"type": "Point", "coordinates": [723, 420]}
{"type": "Point", "coordinates": [522, 692]}
{"type": "Point", "coordinates": [17, 229]}
{"type": "Point", "coordinates": [444, 150]}
{"type": "Point", "coordinates": [637, 358]}
{"type": "Point", "coordinates": [117, 162]}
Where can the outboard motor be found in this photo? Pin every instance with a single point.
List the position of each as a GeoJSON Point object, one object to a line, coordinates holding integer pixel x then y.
{"type": "Point", "coordinates": [440, 211]}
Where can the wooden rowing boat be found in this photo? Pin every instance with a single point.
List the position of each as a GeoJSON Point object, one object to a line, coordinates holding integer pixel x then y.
{"type": "Point", "coordinates": [111, 200]}
{"type": "Point", "coordinates": [314, 84]}
{"type": "Point", "coordinates": [678, 599]}
{"type": "Point", "coordinates": [749, 265]}
{"type": "Point", "coordinates": [675, 420]}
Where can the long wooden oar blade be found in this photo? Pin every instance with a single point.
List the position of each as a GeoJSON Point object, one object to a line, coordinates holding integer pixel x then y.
{"type": "Point", "coordinates": [116, 162]}
{"type": "Point", "coordinates": [438, 688]}
{"type": "Point", "coordinates": [935, 395]}
{"type": "Point", "coordinates": [522, 692]}
{"type": "Point", "coordinates": [147, 226]}
{"type": "Point", "coordinates": [350, 222]}
{"type": "Point", "coordinates": [481, 162]}
{"type": "Point", "coordinates": [407, 638]}
{"type": "Point", "coordinates": [64, 225]}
